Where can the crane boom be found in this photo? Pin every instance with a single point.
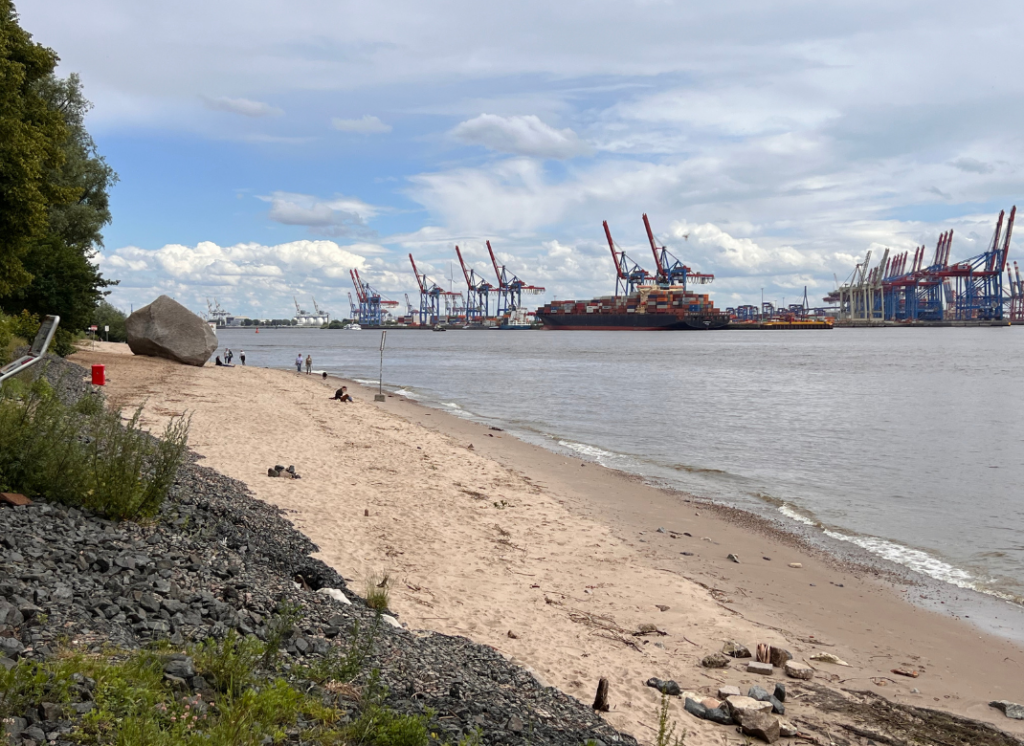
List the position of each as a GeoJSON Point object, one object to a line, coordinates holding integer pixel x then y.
{"type": "Point", "coordinates": [659, 270]}
{"type": "Point", "coordinates": [465, 272]}
{"type": "Point", "coordinates": [501, 280]}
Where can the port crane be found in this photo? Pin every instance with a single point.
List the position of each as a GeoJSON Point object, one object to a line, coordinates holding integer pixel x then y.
{"type": "Point", "coordinates": [432, 296]}
{"type": "Point", "coordinates": [353, 309]}
{"type": "Point", "coordinates": [628, 274]}
{"type": "Point", "coordinates": [371, 302]}
{"type": "Point", "coordinates": [478, 303]}
{"type": "Point", "coordinates": [510, 288]}
{"type": "Point", "coordinates": [321, 313]}
{"type": "Point", "coordinates": [668, 269]}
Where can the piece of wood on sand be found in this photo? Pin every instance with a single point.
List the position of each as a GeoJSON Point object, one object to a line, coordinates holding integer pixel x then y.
{"type": "Point", "coordinates": [601, 700]}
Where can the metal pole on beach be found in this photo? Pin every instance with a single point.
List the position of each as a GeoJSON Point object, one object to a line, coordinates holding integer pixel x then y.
{"type": "Point", "coordinates": [379, 396]}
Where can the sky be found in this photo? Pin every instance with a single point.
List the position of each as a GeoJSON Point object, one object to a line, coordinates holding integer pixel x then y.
{"type": "Point", "coordinates": [266, 148]}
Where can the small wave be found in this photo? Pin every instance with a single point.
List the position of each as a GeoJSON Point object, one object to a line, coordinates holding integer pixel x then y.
{"type": "Point", "coordinates": [366, 382]}
{"type": "Point", "coordinates": [915, 559]}
{"type": "Point", "coordinates": [790, 512]}
{"type": "Point", "coordinates": [450, 405]}
{"type": "Point", "coordinates": [697, 469]}
{"type": "Point", "coordinates": [406, 393]}
{"type": "Point", "coordinates": [584, 450]}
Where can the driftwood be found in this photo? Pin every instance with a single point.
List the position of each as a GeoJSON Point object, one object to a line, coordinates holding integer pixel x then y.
{"type": "Point", "coordinates": [601, 700]}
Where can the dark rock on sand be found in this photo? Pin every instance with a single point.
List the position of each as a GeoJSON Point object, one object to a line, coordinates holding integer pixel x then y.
{"type": "Point", "coordinates": [167, 329]}
{"type": "Point", "coordinates": [1010, 709]}
{"type": "Point", "coordinates": [665, 687]}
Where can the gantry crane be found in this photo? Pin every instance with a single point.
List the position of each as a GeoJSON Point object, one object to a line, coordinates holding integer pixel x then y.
{"type": "Point", "coordinates": [668, 269]}
{"type": "Point", "coordinates": [371, 302]}
{"type": "Point", "coordinates": [510, 288]}
{"type": "Point", "coordinates": [432, 296]}
{"type": "Point", "coordinates": [478, 304]}
{"type": "Point", "coordinates": [628, 274]}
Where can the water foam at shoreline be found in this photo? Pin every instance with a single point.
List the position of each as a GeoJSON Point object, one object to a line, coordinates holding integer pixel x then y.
{"type": "Point", "coordinates": [915, 559]}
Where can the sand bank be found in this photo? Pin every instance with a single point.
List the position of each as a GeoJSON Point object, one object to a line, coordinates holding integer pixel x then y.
{"type": "Point", "coordinates": [555, 562]}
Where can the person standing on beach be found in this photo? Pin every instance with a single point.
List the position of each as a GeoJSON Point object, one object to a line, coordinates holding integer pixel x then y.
{"type": "Point", "coordinates": [241, 356]}
{"type": "Point", "coordinates": [298, 363]}
{"type": "Point", "coordinates": [309, 364]}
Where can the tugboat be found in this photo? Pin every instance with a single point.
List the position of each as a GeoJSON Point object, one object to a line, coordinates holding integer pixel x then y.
{"type": "Point", "coordinates": [642, 301]}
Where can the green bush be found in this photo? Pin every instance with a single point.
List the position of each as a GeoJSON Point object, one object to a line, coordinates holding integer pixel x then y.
{"type": "Point", "coordinates": [83, 455]}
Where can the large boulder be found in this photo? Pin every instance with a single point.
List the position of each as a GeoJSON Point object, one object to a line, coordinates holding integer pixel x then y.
{"type": "Point", "coordinates": [165, 328]}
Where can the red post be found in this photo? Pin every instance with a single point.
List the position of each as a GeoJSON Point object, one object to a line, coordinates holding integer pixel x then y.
{"type": "Point", "coordinates": [99, 375]}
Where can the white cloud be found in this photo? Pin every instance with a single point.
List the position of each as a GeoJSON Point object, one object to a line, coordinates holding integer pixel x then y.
{"type": "Point", "coordinates": [244, 277]}
{"type": "Point", "coordinates": [368, 125]}
{"type": "Point", "coordinates": [742, 253]}
{"type": "Point", "coordinates": [526, 135]}
{"type": "Point", "coordinates": [339, 216]}
{"type": "Point", "coordinates": [243, 106]}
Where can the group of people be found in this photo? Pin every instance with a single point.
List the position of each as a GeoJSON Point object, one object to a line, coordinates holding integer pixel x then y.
{"type": "Point", "coordinates": [229, 356]}
{"type": "Point", "coordinates": [339, 395]}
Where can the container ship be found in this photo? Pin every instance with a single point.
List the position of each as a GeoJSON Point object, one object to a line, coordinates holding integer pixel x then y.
{"type": "Point", "coordinates": [642, 301]}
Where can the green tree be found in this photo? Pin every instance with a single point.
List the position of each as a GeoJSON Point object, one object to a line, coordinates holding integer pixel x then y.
{"type": "Point", "coordinates": [31, 135]}
{"type": "Point", "coordinates": [106, 314]}
{"type": "Point", "coordinates": [64, 279]}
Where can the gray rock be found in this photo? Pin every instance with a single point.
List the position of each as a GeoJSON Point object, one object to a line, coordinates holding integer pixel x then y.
{"type": "Point", "coordinates": [35, 733]}
{"type": "Point", "coordinates": [762, 725]}
{"type": "Point", "coordinates": [718, 715]}
{"type": "Point", "coordinates": [665, 687]}
{"type": "Point", "coordinates": [799, 670]}
{"type": "Point", "coordinates": [734, 558]}
{"type": "Point", "coordinates": [10, 647]}
{"type": "Point", "coordinates": [735, 650]}
{"type": "Point", "coordinates": [779, 656]}
{"type": "Point", "coordinates": [1010, 709]}
{"type": "Point", "coordinates": [167, 329]}
{"type": "Point", "coordinates": [765, 669]}
{"type": "Point", "coordinates": [780, 692]}
{"type": "Point", "coordinates": [182, 669]}
{"type": "Point", "coordinates": [715, 660]}
{"type": "Point", "coordinates": [761, 695]}
{"type": "Point", "coordinates": [724, 692]}
{"type": "Point", "coordinates": [695, 708]}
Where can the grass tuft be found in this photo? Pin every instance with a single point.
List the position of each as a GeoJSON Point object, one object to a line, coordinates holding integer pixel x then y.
{"type": "Point", "coordinates": [378, 592]}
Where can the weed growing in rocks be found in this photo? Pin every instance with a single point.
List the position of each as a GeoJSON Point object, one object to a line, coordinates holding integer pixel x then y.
{"type": "Point", "coordinates": [378, 592]}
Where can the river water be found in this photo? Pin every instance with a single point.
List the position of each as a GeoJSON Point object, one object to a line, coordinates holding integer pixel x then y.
{"type": "Point", "coordinates": [908, 443]}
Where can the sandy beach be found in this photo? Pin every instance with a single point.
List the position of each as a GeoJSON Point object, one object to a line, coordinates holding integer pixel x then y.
{"type": "Point", "coordinates": [556, 562]}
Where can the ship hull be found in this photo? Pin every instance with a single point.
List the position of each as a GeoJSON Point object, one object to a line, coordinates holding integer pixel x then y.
{"type": "Point", "coordinates": [638, 322]}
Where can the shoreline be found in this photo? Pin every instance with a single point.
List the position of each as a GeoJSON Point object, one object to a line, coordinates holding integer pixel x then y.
{"type": "Point", "coordinates": [580, 539]}
{"type": "Point", "coordinates": [990, 612]}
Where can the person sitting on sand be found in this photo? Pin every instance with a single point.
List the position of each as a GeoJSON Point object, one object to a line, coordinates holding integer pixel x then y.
{"type": "Point", "coordinates": [325, 377]}
{"type": "Point", "coordinates": [342, 395]}
{"type": "Point", "coordinates": [218, 361]}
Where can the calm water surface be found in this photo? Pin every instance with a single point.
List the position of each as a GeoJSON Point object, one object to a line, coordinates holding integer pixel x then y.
{"type": "Point", "coordinates": [906, 442]}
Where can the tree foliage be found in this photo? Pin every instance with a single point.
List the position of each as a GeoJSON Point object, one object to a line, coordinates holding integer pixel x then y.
{"type": "Point", "coordinates": [32, 134]}
{"type": "Point", "coordinates": [48, 266]}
